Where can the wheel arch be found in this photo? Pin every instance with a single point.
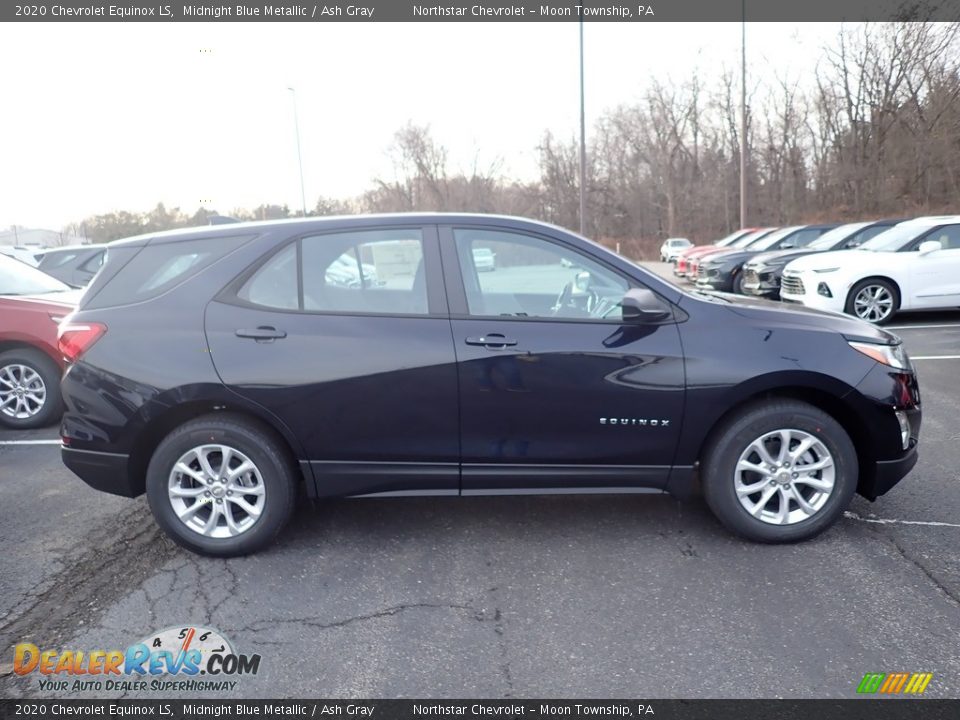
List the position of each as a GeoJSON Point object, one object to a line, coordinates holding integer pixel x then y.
{"type": "Point", "coordinates": [152, 433]}
{"type": "Point", "coordinates": [7, 344]}
{"type": "Point", "coordinates": [829, 399]}
{"type": "Point", "coordinates": [875, 276]}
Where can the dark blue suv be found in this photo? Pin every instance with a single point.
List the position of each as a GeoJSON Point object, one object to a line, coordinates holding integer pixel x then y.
{"type": "Point", "coordinates": [220, 369]}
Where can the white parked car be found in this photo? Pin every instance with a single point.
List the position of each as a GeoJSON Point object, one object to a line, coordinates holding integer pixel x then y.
{"type": "Point", "coordinates": [672, 247]}
{"type": "Point", "coordinates": [912, 266]}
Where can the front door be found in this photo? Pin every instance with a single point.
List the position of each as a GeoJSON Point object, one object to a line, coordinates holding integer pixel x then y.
{"type": "Point", "coordinates": [345, 338]}
{"type": "Point", "coordinates": [556, 391]}
{"type": "Point", "coordinates": [935, 277]}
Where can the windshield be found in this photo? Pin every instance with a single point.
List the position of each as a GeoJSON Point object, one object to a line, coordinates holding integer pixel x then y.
{"type": "Point", "coordinates": [750, 238]}
{"type": "Point", "coordinates": [894, 239]}
{"type": "Point", "coordinates": [17, 278]}
{"type": "Point", "coordinates": [773, 238]}
{"type": "Point", "coordinates": [732, 238]}
{"type": "Point", "coordinates": [838, 234]}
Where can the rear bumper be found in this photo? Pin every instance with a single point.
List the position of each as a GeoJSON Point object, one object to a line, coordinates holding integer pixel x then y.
{"type": "Point", "coordinates": [102, 471]}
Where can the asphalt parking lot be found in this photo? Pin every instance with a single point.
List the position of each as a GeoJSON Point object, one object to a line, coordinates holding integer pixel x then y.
{"type": "Point", "coordinates": [636, 596]}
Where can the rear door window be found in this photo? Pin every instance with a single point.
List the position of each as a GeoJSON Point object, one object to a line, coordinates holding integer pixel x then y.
{"type": "Point", "coordinates": [356, 272]}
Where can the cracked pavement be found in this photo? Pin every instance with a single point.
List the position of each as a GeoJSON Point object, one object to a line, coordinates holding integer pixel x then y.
{"type": "Point", "coordinates": [564, 596]}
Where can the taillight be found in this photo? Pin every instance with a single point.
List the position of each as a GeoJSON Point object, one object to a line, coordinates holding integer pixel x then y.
{"type": "Point", "coordinates": [74, 339]}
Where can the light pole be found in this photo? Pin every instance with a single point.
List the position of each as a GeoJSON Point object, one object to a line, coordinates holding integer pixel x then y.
{"type": "Point", "coordinates": [743, 115]}
{"type": "Point", "coordinates": [583, 144]}
{"type": "Point", "coordinates": [296, 129]}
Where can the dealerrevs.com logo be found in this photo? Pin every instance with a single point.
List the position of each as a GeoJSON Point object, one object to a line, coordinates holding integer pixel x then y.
{"type": "Point", "coordinates": [188, 659]}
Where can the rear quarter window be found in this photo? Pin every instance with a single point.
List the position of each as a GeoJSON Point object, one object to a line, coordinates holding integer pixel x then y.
{"type": "Point", "coordinates": [158, 268]}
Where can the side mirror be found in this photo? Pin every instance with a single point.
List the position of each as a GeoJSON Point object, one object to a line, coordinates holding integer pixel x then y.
{"type": "Point", "coordinates": [929, 246]}
{"type": "Point", "coordinates": [641, 305]}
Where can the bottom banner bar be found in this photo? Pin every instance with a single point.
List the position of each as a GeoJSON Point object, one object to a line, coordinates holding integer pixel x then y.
{"type": "Point", "coordinates": [891, 709]}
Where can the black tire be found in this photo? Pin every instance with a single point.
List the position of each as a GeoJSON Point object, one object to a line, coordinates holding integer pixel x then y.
{"type": "Point", "coordinates": [879, 282]}
{"type": "Point", "coordinates": [49, 373]}
{"type": "Point", "coordinates": [262, 447]}
{"type": "Point", "coordinates": [719, 464]}
{"type": "Point", "coordinates": [738, 283]}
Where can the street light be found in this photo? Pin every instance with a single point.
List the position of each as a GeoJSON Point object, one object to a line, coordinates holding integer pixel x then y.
{"type": "Point", "coordinates": [583, 143]}
{"type": "Point", "coordinates": [743, 114]}
{"type": "Point", "coordinates": [296, 129]}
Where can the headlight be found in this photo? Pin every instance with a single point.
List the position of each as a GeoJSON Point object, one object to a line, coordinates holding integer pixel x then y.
{"type": "Point", "coordinates": [893, 355]}
{"type": "Point", "coordinates": [826, 270]}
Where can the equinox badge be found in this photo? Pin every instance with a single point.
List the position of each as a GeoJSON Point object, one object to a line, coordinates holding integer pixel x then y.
{"type": "Point", "coordinates": [641, 422]}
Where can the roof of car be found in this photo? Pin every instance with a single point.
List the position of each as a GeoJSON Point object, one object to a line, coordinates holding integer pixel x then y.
{"type": "Point", "coordinates": [931, 220]}
{"type": "Point", "coordinates": [345, 221]}
{"type": "Point", "coordinates": [69, 248]}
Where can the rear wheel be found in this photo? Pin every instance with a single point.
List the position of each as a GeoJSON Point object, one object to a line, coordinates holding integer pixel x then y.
{"type": "Point", "coordinates": [29, 389]}
{"type": "Point", "coordinates": [780, 471]}
{"type": "Point", "coordinates": [221, 486]}
{"type": "Point", "coordinates": [874, 300]}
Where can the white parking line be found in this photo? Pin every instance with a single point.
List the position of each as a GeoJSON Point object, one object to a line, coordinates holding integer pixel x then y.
{"type": "Point", "coordinates": [889, 521]}
{"type": "Point", "coordinates": [921, 327]}
{"type": "Point", "coordinates": [935, 357]}
{"type": "Point", "coordinates": [29, 442]}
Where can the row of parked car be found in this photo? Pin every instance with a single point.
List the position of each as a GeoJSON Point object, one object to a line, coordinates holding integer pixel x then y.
{"type": "Point", "coordinates": [871, 270]}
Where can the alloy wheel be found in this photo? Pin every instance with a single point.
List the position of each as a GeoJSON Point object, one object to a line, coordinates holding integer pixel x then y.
{"type": "Point", "coordinates": [22, 391]}
{"type": "Point", "coordinates": [873, 303]}
{"type": "Point", "coordinates": [784, 477]}
{"type": "Point", "coordinates": [216, 491]}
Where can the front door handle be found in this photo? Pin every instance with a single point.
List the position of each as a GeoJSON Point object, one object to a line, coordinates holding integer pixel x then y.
{"type": "Point", "coordinates": [493, 340]}
{"type": "Point", "coordinates": [264, 333]}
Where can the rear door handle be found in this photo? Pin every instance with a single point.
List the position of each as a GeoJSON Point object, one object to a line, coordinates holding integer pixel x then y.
{"type": "Point", "coordinates": [493, 340]}
{"type": "Point", "coordinates": [264, 333]}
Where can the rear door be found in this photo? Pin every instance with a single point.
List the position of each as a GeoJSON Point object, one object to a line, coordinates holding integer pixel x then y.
{"type": "Point", "coordinates": [556, 391]}
{"type": "Point", "coordinates": [345, 337]}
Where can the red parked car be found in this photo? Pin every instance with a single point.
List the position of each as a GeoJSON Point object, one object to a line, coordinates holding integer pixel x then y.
{"type": "Point", "coordinates": [681, 260]}
{"type": "Point", "coordinates": [31, 305]}
{"type": "Point", "coordinates": [693, 262]}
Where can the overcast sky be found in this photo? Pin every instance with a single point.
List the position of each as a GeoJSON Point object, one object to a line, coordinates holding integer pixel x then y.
{"type": "Point", "coordinates": [114, 116]}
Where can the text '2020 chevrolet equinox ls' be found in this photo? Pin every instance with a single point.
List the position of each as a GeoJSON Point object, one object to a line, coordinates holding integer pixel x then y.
{"type": "Point", "coordinates": [218, 369]}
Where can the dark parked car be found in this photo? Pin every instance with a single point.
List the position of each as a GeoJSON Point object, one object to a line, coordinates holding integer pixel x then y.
{"type": "Point", "coordinates": [219, 369]}
{"type": "Point", "coordinates": [75, 264]}
{"type": "Point", "coordinates": [762, 273]}
{"type": "Point", "coordinates": [31, 305]}
{"type": "Point", "coordinates": [723, 271]}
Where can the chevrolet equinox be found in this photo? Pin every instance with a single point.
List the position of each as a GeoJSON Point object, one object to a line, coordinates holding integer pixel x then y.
{"type": "Point", "coordinates": [220, 369]}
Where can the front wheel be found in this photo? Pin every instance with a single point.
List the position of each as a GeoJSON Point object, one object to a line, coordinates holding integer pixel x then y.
{"type": "Point", "coordinates": [780, 471]}
{"type": "Point", "coordinates": [221, 486]}
{"type": "Point", "coordinates": [874, 300]}
{"type": "Point", "coordinates": [738, 284]}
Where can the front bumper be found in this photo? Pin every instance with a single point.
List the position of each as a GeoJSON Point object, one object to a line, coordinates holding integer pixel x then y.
{"type": "Point", "coordinates": [102, 471]}
{"type": "Point", "coordinates": [887, 473]}
{"type": "Point", "coordinates": [803, 288]}
{"type": "Point", "coordinates": [721, 282]}
{"type": "Point", "coordinates": [761, 282]}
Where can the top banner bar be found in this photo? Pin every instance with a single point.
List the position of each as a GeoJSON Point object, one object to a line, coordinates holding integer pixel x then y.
{"type": "Point", "coordinates": [487, 11]}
